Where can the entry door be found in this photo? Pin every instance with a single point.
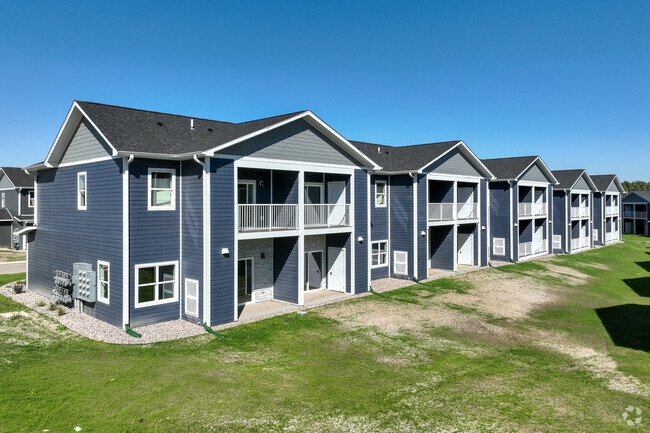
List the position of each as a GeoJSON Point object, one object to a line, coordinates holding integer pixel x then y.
{"type": "Point", "coordinates": [244, 280]}
{"type": "Point", "coordinates": [628, 227]}
{"type": "Point", "coordinates": [313, 270]}
{"type": "Point", "coordinates": [336, 196]}
{"type": "Point", "coordinates": [336, 269]}
{"type": "Point", "coordinates": [466, 200]}
{"type": "Point", "coordinates": [465, 249]}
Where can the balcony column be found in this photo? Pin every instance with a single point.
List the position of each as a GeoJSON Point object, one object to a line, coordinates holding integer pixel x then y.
{"type": "Point", "coordinates": [455, 206]}
{"type": "Point", "coordinates": [301, 237]}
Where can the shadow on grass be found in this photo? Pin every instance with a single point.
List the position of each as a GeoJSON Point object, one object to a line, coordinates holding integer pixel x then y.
{"type": "Point", "coordinates": [627, 325]}
{"type": "Point", "coordinates": [644, 265]}
{"type": "Point", "coordinates": [640, 285]}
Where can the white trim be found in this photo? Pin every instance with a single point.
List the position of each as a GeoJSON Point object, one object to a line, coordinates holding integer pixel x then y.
{"type": "Point", "coordinates": [455, 254]}
{"type": "Point", "coordinates": [502, 241]}
{"type": "Point", "coordinates": [454, 177]}
{"type": "Point", "coordinates": [377, 181]}
{"type": "Point", "coordinates": [544, 168]}
{"type": "Point", "coordinates": [301, 236]}
{"type": "Point", "coordinates": [85, 191]}
{"type": "Point", "coordinates": [369, 216]}
{"type": "Point", "coordinates": [353, 238]}
{"type": "Point", "coordinates": [172, 206]}
{"type": "Point", "coordinates": [465, 150]}
{"type": "Point", "coordinates": [289, 165]}
{"type": "Point", "coordinates": [511, 221]}
{"type": "Point", "coordinates": [180, 231]}
{"type": "Point", "coordinates": [156, 266]}
{"type": "Point", "coordinates": [207, 283]}
{"type": "Point", "coordinates": [396, 263]}
{"type": "Point", "coordinates": [479, 225]}
{"type": "Point", "coordinates": [321, 186]}
{"type": "Point", "coordinates": [415, 225]}
{"type": "Point", "coordinates": [20, 201]}
{"type": "Point", "coordinates": [533, 184]}
{"type": "Point", "coordinates": [198, 287]}
{"type": "Point", "coordinates": [387, 253]}
{"type": "Point", "coordinates": [31, 193]}
{"type": "Point", "coordinates": [3, 201]}
{"type": "Point", "coordinates": [235, 252]}
{"type": "Point", "coordinates": [101, 299]}
{"type": "Point", "coordinates": [83, 161]}
{"type": "Point", "coordinates": [126, 265]}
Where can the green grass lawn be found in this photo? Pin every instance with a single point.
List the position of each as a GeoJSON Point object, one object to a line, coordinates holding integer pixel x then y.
{"type": "Point", "coordinates": [572, 363]}
{"type": "Point", "coordinates": [6, 304]}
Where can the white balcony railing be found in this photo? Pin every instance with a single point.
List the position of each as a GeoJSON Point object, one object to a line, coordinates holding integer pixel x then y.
{"type": "Point", "coordinates": [579, 243]}
{"type": "Point", "coordinates": [611, 236]}
{"type": "Point", "coordinates": [634, 214]}
{"type": "Point", "coordinates": [579, 212]}
{"type": "Point", "coordinates": [532, 209]}
{"type": "Point", "coordinates": [441, 211]}
{"type": "Point", "coordinates": [611, 210]}
{"type": "Point", "coordinates": [467, 211]}
{"type": "Point", "coordinates": [260, 217]}
{"type": "Point", "coordinates": [532, 248]}
{"type": "Point", "coordinates": [327, 215]}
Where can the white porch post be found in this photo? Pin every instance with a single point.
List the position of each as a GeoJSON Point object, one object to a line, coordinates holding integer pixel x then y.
{"type": "Point", "coordinates": [301, 237]}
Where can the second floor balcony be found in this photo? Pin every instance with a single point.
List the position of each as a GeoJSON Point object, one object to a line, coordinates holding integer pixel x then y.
{"type": "Point", "coordinates": [611, 210]}
{"type": "Point", "coordinates": [270, 217]}
{"type": "Point", "coordinates": [452, 211]}
{"type": "Point", "coordinates": [579, 211]}
{"type": "Point", "coordinates": [532, 209]}
{"type": "Point", "coordinates": [634, 214]}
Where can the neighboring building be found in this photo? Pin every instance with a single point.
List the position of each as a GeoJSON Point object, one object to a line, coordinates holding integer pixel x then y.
{"type": "Point", "coordinates": [16, 205]}
{"type": "Point", "coordinates": [190, 218]}
{"type": "Point", "coordinates": [520, 208]}
{"type": "Point", "coordinates": [607, 209]}
{"type": "Point", "coordinates": [428, 209]}
{"type": "Point", "coordinates": [572, 211]}
{"type": "Point", "coordinates": [636, 215]}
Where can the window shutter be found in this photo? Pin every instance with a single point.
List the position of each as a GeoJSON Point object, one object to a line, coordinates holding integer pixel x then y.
{"type": "Point", "coordinates": [499, 246]}
{"type": "Point", "coordinates": [401, 262]}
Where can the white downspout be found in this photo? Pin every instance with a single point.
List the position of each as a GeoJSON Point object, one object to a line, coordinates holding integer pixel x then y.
{"type": "Point", "coordinates": [126, 265]}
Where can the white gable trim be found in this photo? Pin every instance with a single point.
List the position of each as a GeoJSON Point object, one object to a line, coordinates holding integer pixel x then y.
{"type": "Point", "coordinates": [544, 168]}
{"type": "Point", "coordinates": [313, 120]}
{"type": "Point", "coordinates": [588, 179]}
{"type": "Point", "coordinates": [75, 114]}
{"type": "Point", "coordinates": [465, 150]}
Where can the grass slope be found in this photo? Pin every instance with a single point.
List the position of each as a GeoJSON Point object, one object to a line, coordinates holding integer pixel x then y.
{"type": "Point", "coordinates": [346, 368]}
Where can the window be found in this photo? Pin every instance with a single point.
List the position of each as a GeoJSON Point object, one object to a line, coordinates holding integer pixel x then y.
{"type": "Point", "coordinates": [246, 192]}
{"type": "Point", "coordinates": [499, 246]}
{"type": "Point", "coordinates": [400, 266]}
{"type": "Point", "coordinates": [31, 200]}
{"type": "Point", "coordinates": [379, 254]}
{"type": "Point", "coordinates": [162, 189]}
{"type": "Point", "coordinates": [191, 297]}
{"type": "Point", "coordinates": [103, 281]}
{"type": "Point", "coordinates": [380, 193]}
{"type": "Point", "coordinates": [82, 189]}
{"type": "Point", "coordinates": [3, 200]}
{"type": "Point", "coordinates": [155, 284]}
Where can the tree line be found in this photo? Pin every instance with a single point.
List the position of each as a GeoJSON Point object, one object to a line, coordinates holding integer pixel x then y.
{"type": "Point", "coordinates": [637, 185]}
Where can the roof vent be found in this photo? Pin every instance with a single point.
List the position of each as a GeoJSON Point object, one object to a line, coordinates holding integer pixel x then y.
{"type": "Point", "coordinates": [159, 123]}
{"type": "Point", "coordinates": [210, 129]}
{"type": "Point", "coordinates": [378, 149]}
{"type": "Point", "coordinates": [192, 124]}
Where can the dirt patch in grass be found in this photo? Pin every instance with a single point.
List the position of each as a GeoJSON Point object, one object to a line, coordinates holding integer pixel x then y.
{"type": "Point", "coordinates": [565, 271]}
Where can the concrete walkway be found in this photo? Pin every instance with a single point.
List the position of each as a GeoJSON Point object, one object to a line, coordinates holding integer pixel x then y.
{"type": "Point", "coordinates": [13, 267]}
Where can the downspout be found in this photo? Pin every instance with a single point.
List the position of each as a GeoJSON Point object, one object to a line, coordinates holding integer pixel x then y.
{"type": "Point", "coordinates": [206, 238]}
{"type": "Point", "coordinates": [126, 282]}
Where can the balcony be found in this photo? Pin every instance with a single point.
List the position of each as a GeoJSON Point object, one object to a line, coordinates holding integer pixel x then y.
{"type": "Point", "coordinates": [532, 209]}
{"type": "Point", "coordinates": [270, 217]}
{"type": "Point", "coordinates": [579, 212]}
{"type": "Point", "coordinates": [452, 211]}
{"type": "Point", "coordinates": [611, 236]}
{"type": "Point", "coordinates": [611, 210]}
{"type": "Point", "coordinates": [579, 243]}
{"type": "Point", "coordinates": [532, 248]}
{"type": "Point", "coordinates": [634, 214]}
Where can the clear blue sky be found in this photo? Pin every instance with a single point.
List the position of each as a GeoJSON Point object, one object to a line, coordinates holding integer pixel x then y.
{"type": "Point", "coordinates": [569, 80]}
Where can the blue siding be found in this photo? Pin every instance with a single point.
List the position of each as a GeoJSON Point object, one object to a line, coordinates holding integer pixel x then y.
{"type": "Point", "coordinates": [515, 217]}
{"type": "Point", "coordinates": [154, 237]}
{"type": "Point", "coordinates": [442, 252]}
{"type": "Point", "coordinates": [401, 220]}
{"type": "Point", "coordinates": [192, 226]}
{"type": "Point", "coordinates": [422, 225]}
{"type": "Point", "coordinates": [285, 187]}
{"type": "Point", "coordinates": [285, 269]}
{"type": "Point", "coordinates": [222, 223]}
{"type": "Point", "coordinates": [559, 218]}
{"type": "Point", "coordinates": [378, 224]}
{"type": "Point", "coordinates": [499, 216]}
{"type": "Point", "coordinates": [361, 229]}
{"type": "Point", "coordinates": [66, 235]}
{"type": "Point", "coordinates": [598, 217]}
{"type": "Point", "coordinates": [262, 180]}
{"type": "Point", "coordinates": [484, 223]}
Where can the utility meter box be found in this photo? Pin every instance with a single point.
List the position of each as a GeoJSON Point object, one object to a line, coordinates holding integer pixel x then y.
{"type": "Point", "coordinates": [84, 282]}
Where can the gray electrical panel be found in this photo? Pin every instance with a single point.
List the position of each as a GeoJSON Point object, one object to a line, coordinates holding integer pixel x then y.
{"type": "Point", "coordinates": [84, 281]}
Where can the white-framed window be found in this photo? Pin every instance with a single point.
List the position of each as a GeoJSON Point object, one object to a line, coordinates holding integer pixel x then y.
{"type": "Point", "coordinates": [400, 262]}
{"type": "Point", "coordinates": [82, 191]}
{"type": "Point", "coordinates": [557, 242]}
{"type": "Point", "coordinates": [379, 254]}
{"type": "Point", "coordinates": [191, 297]}
{"type": "Point", "coordinates": [246, 192]}
{"type": "Point", "coordinates": [162, 189]}
{"type": "Point", "coordinates": [2, 200]}
{"type": "Point", "coordinates": [380, 193]}
{"type": "Point", "coordinates": [103, 281]}
{"type": "Point", "coordinates": [499, 246]}
{"type": "Point", "coordinates": [156, 283]}
{"type": "Point", "coordinates": [30, 199]}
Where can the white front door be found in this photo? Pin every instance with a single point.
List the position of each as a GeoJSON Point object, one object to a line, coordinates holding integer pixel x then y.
{"type": "Point", "coordinates": [336, 196]}
{"type": "Point", "coordinates": [465, 249]}
{"type": "Point", "coordinates": [336, 269]}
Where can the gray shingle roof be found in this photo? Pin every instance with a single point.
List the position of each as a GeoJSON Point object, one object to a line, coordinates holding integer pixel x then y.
{"type": "Point", "coordinates": [508, 168]}
{"type": "Point", "coordinates": [643, 194]}
{"type": "Point", "coordinates": [404, 158]}
{"type": "Point", "coordinates": [4, 214]}
{"type": "Point", "coordinates": [566, 177]}
{"type": "Point", "coordinates": [133, 130]}
{"type": "Point", "coordinates": [602, 181]}
{"type": "Point", "coordinates": [18, 177]}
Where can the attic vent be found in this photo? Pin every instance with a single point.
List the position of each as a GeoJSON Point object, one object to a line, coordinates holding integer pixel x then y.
{"type": "Point", "coordinates": [192, 124]}
{"type": "Point", "coordinates": [159, 123]}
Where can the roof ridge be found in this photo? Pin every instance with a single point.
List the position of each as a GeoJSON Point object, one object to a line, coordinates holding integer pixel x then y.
{"type": "Point", "coordinates": [271, 117]}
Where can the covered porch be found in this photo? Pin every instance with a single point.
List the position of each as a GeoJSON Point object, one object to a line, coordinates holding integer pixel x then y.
{"type": "Point", "coordinates": [451, 247]}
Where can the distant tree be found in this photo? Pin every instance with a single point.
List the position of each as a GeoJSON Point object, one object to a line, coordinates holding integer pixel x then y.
{"type": "Point", "coordinates": [637, 185]}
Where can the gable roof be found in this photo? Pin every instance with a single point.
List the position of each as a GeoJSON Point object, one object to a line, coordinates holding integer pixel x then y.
{"type": "Point", "coordinates": [141, 132]}
{"type": "Point", "coordinates": [416, 157]}
{"type": "Point", "coordinates": [603, 181]}
{"type": "Point", "coordinates": [514, 167]}
{"type": "Point", "coordinates": [645, 195]}
{"type": "Point", "coordinates": [5, 215]}
{"type": "Point", "coordinates": [568, 178]}
{"type": "Point", "coordinates": [18, 177]}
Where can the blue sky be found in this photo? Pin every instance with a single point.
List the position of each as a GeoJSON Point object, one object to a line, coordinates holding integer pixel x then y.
{"type": "Point", "coordinates": [566, 80]}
